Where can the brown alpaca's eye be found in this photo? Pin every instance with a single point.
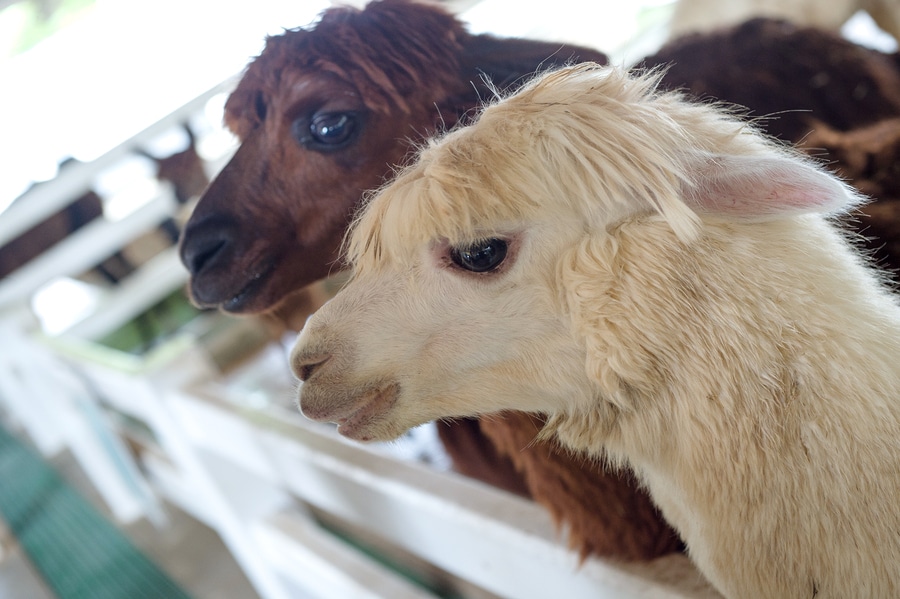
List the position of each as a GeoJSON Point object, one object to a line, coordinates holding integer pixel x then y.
{"type": "Point", "coordinates": [259, 104]}
{"type": "Point", "coordinates": [326, 131]}
{"type": "Point", "coordinates": [481, 256]}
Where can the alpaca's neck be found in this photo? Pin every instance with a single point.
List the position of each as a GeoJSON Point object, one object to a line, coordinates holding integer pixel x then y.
{"type": "Point", "coordinates": [751, 372]}
{"type": "Point", "coordinates": [733, 327]}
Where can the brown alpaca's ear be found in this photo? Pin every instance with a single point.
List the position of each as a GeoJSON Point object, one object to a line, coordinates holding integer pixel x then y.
{"type": "Point", "coordinates": [244, 108]}
{"type": "Point", "coordinates": [509, 62]}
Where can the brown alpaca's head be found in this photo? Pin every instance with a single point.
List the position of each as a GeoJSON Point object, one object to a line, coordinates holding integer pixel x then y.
{"type": "Point", "coordinates": [324, 115]}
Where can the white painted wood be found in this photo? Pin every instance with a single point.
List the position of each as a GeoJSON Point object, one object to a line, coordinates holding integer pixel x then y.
{"type": "Point", "coordinates": [87, 247]}
{"type": "Point", "coordinates": [495, 540]}
{"type": "Point", "coordinates": [325, 566]}
{"type": "Point", "coordinates": [59, 410]}
{"type": "Point", "coordinates": [138, 292]}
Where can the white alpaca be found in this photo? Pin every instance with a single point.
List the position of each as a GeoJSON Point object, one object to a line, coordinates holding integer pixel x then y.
{"type": "Point", "coordinates": [665, 283]}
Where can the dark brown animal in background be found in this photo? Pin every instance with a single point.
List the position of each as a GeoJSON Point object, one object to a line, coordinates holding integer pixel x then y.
{"type": "Point", "coordinates": [869, 158]}
{"type": "Point", "coordinates": [184, 170]}
{"type": "Point", "coordinates": [323, 116]}
{"type": "Point", "coordinates": [42, 236]}
{"type": "Point", "coordinates": [790, 77]}
{"type": "Point", "coordinates": [836, 99]}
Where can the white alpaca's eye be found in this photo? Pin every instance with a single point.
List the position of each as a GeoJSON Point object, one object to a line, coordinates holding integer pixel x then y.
{"type": "Point", "coordinates": [481, 256]}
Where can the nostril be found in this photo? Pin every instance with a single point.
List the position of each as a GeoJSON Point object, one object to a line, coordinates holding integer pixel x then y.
{"type": "Point", "coordinates": [304, 369]}
{"type": "Point", "coordinates": [197, 259]}
{"type": "Point", "coordinates": [200, 249]}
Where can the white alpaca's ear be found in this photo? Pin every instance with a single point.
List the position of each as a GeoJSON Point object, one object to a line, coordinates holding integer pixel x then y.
{"type": "Point", "coordinates": [760, 187]}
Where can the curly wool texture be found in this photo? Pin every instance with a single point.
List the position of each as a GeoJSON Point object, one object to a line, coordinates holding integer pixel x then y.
{"type": "Point", "coordinates": [565, 482]}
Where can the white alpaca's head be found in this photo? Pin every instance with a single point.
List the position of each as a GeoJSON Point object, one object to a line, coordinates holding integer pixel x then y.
{"type": "Point", "coordinates": [469, 296]}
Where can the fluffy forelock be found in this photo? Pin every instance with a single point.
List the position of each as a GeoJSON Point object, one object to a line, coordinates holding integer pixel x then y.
{"type": "Point", "coordinates": [581, 144]}
{"type": "Point", "coordinates": [392, 52]}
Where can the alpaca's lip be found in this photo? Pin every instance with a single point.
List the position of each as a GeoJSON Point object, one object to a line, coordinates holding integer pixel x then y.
{"type": "Point", "coordinates": [212, 290]}
{"type": "Point", "coordinates": [244, 300]}
{"type": "Point", "coordinates": [368, 408]}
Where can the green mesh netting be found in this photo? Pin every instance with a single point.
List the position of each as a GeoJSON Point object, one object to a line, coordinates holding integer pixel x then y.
{"type": "Point", "coordinates": [78, 552]}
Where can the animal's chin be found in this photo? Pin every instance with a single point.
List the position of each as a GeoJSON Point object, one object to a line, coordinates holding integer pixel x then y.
{"type": "Point", "coordinates": [252, 298]}
{"type": "Point", "coordinates": [365, 422]}
{"type": "Point", "coordinates": [246, 301]}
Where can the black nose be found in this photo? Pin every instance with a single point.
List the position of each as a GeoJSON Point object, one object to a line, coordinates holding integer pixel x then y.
{"type": "Point", "coordinates": [205, 244]}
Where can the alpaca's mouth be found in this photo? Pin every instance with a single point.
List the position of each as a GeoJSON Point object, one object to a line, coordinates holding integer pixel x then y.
{"type": "Point", "coordinates": [214, 290]}
{"type": "Point", "coordinates": [238, 301]}
{"type": "Point", "coordinates": [244, 300]}
{"type": "Point", "coordinates": [369, 408]}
